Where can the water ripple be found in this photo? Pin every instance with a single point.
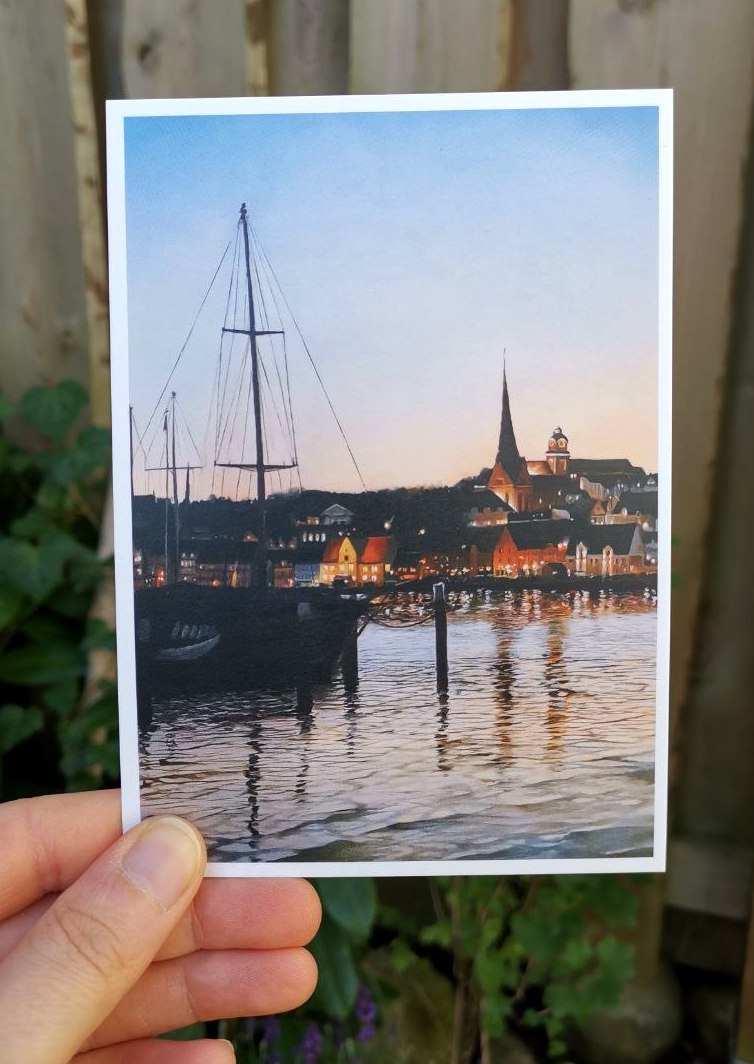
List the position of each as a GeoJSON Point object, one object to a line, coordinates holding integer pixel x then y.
{"type": "Point", "coordinates": [542, 747]}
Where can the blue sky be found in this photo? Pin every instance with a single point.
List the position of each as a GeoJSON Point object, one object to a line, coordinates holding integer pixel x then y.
{"type": "Point", "coordinates": [412, 248]}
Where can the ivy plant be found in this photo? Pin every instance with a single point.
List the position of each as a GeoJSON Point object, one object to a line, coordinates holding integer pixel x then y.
{"type": "Point", "coordinates": [54, 730]}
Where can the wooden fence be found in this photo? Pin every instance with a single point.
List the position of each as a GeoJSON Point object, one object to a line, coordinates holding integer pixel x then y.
{"type": "Point", "coordinates": [59, 60]}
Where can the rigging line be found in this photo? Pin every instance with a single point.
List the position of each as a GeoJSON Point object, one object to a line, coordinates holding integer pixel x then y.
{"type": "Point", "coordinates": [286, 430]}
{"type": "Point", "coordinates": [244, 360]}
{"type": "Point", "coordinates": [286, 392]}
{"type": "Point", "coordinates": [272, 396]}
{"type": "Point", "coordinates": [245, 431]}
{"type": "Point", "coordinates": [290, 411]}
{"type": "Point", "coordinates": [139, 442]}
{"type": "Point", "coordinates": [188, 429]}
{"type": "Point", "coordinates": [233, 410]}
{"type": "Point", "coordinates": [229, 361]}
{"type": "Point", "coordinates": [188, 337]}
{"type": "Point", "coordinates": [237, 405]}
{"type": "Point", "coordinates": [214, 403]}
{"type": "Point", "coordinates": [316, 371]}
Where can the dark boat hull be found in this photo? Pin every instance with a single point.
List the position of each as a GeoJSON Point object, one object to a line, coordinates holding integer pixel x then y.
{"type": "Point", "coordinates": [279, 638]}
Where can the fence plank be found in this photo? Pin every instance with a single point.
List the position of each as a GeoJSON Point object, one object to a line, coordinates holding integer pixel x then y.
{"type": "Point", "coordinates": [89, 189]}
{"type": "Point", "coordinates": [308, 47]}
{"type": "Point", "coordinates": [538, 52]}
{"type": "Point", "coordinates": [706, 54]}
{"type": "Point", "coordinates": [418, 46]}
{"type": "Point", "coordinates": [257, 67]}
{"type": "Point", "coordinates": [185, 48]}
{"type": "Point", "coordinates": [43, 334]}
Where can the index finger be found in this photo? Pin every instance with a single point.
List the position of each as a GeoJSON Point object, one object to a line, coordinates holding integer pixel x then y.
{"type": "Point", "coordinates": [47, 843]}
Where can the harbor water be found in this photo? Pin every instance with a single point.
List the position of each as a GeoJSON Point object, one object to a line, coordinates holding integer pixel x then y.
{"type": "Point", "coordinates": [543, 746]}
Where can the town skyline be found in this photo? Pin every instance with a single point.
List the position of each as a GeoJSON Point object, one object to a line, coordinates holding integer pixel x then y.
{"type": "Point", "coordinates": [413, 250]}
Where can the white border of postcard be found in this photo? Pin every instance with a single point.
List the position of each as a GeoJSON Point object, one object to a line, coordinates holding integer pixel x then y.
{"type": "Point", "coordinates": [117, 111]}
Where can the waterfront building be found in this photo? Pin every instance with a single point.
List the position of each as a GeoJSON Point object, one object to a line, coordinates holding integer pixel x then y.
{"type": "Point", "coordinates": [307, 564]}
{"type": "Point", "coordinates": [524, 547]}
{"type": "Point", "coordinates": [606, 550]}
{"type": "Point", "coordinates": [340, 560]}
{"type": "Point", "coordinates": [375, 564]}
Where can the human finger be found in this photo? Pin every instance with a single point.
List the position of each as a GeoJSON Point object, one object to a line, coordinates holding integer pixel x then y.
{"type": "Point", "coordinates": [225, 914]}
{"type": "Point", "coordinates": [48, 842]}
{"type": "Point", "coordinates": [210, 985]}
{"type": "Point", "coordinates": [96, 940]}
{"type": "Point", "coordinates": [159, 1051]}
{"type": "Point", "coordinates": [247, 914]}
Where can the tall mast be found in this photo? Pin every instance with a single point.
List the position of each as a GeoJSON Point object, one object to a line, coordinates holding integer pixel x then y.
{"type": "Point", "coordinates": [176, 510]}
{"type": "Point", "coordinates": [259, 437]}
{"type": "Point", "coordinates": [259, 464]}
{"type": "Point", "coordinates": [167, 501]}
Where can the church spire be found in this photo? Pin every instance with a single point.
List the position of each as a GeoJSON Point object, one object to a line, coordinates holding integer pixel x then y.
{"type": "Point", "coordinates": [507, 450]}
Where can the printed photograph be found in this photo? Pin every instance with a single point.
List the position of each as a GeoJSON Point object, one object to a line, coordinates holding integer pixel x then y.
{"type": "Point", "coordinates": [392, 492]}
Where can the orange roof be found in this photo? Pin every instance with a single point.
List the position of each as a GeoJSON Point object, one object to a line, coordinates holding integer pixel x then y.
{"type": "Point", "coordinates": [332, 550]}
{"type": "Point", "coordinates": [378, 549]}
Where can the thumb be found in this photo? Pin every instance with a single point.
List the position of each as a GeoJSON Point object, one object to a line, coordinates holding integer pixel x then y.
{"type": "Point", "coordinates": [93, 944]}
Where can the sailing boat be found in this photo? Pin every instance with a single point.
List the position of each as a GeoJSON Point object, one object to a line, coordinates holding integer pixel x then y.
{"type": "Point", "coordinates": [239, 636]}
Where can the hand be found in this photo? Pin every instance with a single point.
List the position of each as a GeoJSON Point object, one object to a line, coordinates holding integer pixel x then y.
{"type": "Point", "coordinates": [106, 941]}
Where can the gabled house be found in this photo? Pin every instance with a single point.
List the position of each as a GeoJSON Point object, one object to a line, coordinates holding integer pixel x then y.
{"type": "Point", "coordinates": [375, 564]}
{"type": "Point", "coordinates": [606, 550]}
{"type": "Point", "coordinates": [524, 547]}
{"type": "Point", "coordinates": [336, 515]}
{"type": "Point", "coordinates": [340, 560]}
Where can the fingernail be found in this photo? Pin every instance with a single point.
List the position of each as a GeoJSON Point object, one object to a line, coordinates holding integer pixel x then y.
{"type": "Point", "coordinates": [164, 859]}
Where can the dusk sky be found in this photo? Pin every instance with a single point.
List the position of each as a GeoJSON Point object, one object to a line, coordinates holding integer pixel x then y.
{"type": "Point", "coordinates": [412, 249]}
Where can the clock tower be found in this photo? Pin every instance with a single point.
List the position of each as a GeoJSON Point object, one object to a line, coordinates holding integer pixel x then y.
{"type": "Point", "coordinates": [558, 455]}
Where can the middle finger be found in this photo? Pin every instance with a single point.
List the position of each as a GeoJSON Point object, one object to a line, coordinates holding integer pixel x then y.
{"type": "Point", "coordinates": [226, 914]}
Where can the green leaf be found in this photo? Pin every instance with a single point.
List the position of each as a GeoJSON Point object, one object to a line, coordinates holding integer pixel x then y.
{"type": "Point", "coordinates": [36, 664]}
{"type": "Point", "coordinates": [31, 525]}
{"type": "Point", "coordinates": [7, 408]}
{"type": "Point", "coordinates": [18, 723]}
{"type": "Point", "coordinates": [11, 605]}
{"type": "Point", "coordinates": [352, 903]}
{"type": "Point", "coordinates": [62, 697]}
{"type": "Point", "coordinates": [90, 453]}
{"type": "Point", "coordinates": [99, 635]}
{"type": "Point", "coordinates": [338, 979]}
{"type": "Point", "coordinates": [54, 410]}
{"type": "Point", "coordinates": [29, 569]}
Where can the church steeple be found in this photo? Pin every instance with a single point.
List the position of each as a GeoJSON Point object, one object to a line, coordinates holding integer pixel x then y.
{"type": "Point", "coordinates": [507, 449]}
{"type": "Point", "coordinates": [509, 479]}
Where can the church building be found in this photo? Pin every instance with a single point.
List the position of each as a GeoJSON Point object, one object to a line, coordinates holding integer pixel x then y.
{"type": "Point", "coordinates": [557, 483]}
{"type": "Point", "coordinates": [509, 479]}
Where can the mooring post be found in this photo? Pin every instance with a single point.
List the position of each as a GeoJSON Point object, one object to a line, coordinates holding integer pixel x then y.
{"type": "Point", "coordinates": [441, 635]}
{"type": "Point", "coordinates": [349, 662]}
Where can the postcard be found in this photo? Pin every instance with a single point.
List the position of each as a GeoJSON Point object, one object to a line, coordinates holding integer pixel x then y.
{"type": "Point", "coordinates": [391, 414]}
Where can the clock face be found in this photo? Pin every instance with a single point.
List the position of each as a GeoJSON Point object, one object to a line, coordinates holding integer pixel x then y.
{"type": "Point", "coordinates": [562, 443]}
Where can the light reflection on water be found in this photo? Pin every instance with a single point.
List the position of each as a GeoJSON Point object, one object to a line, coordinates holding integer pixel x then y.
{"type": "Point", "coordinates": [543, 746]}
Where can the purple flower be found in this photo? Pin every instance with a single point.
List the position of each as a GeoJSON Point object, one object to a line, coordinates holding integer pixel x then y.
{"type": "Point", "coordinates": [366, 1032]}
{"type": "Point", "coordinates": [366, 1014]}
{"type": "Point", "coordinates": [270, 1029]}
{"type": "Point", "coordinates": [366, 1006]}
{"type": "Point", "coordinates": [311, 1044]}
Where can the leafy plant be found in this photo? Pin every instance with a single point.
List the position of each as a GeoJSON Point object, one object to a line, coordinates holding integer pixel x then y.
{"type": "Point", "coordinates": [526, 954]}
{"type": "Point", "coordinates": [51, 496]}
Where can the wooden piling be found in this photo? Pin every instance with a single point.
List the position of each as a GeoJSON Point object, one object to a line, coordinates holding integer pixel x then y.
{"type": "Point", "coordinates": [350, 662]}
{"type": "Point", "coordinates": [441, 635]}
